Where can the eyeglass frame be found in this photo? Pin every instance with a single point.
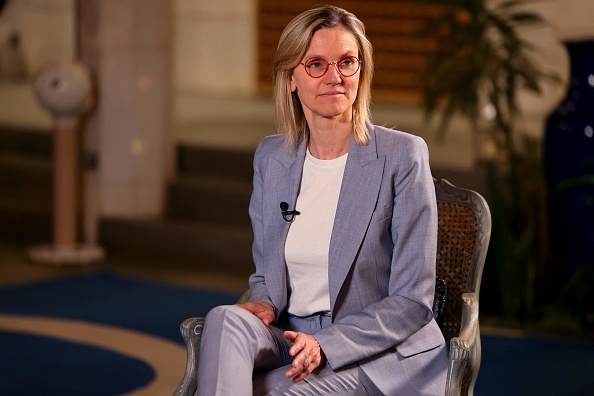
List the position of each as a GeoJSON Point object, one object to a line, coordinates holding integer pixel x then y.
{"type": "Point", "coordinates": [359, 63]}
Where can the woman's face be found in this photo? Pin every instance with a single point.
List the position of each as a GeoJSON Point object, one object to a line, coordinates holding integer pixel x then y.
{"type": "Point", "coordinates": [332, 95]}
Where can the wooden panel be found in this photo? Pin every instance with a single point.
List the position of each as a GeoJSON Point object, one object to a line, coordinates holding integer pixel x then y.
{"type": "Point", "coordinates": [391, 26]}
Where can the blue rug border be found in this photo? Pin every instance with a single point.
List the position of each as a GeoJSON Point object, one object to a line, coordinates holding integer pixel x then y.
{"type": "Point", "coordinates": [118, 300]}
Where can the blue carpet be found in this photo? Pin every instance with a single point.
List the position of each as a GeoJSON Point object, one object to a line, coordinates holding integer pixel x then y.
{"type": "Point", "coordinates": [42, 365]}
{"type": "Point", "coordinates": [35, 365]}
{"type": "Point", "coordinates": [535, 366]}
{"type": "Point", "coordinates": [510, 366]}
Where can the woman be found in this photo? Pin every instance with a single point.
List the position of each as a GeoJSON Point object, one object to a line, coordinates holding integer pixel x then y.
{"type": "Point", "coordinates": [345, 232]}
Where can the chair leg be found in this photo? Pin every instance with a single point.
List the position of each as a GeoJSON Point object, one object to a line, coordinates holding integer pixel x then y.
{"type": "Point", "coordinates": [463, 365]}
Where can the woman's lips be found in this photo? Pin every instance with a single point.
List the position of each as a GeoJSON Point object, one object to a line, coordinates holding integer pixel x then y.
{"type": "Point", "coordinates": [332, 93]}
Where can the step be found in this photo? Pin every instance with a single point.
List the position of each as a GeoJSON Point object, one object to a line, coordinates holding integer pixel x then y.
{"type": "Point", "coordinates": [23, 222]}
{"type": "Point", "coordinates": [25, 185]}
{"type": "Point", "coordinates": [28, 142]}
{"type": "Point", "coordinates": [26, 178]}
{"type": "Point", "coordinates": [206, 224]}
{"type": "Point", "coordinates": [209, 199]}
{"type": "Point", "coordinates": [181, 243]}
{"type": "Point", "coordinates": [26, 166]}
{"type": "Point", "coordinates": [216, 162]}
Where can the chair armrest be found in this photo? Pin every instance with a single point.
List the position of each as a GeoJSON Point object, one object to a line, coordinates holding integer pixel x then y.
{"type": "Point", "coordinates": [244, 297]}
{"type": "Point", "coordinates": [464, 349]}
{"type": "Point", "coordinates": [191, 331]}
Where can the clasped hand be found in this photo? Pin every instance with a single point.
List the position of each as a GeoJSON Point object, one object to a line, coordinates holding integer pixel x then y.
{"type": "Point", "coordinates": [307, 351]}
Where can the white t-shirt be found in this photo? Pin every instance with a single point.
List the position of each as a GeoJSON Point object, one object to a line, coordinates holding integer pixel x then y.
{"type": "Point", "coordinates": [308, 241]}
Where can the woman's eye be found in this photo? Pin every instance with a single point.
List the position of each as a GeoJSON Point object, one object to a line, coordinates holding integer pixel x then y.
{"type": "Point", "coordinates": [315, 64]}
{"type": "Point", "coordinates": [346, 62]}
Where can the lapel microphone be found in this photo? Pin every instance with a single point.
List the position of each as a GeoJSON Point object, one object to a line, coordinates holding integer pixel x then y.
{"type": "Point", "coordinates": [288, 215]}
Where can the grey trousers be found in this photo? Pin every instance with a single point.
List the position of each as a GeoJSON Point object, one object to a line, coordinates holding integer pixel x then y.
{"type": "Point", "coordinates": [239, 355]}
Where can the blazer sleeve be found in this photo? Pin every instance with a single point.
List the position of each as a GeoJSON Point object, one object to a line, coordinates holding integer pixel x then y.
{"type": "Point", "coordinates": [405, 310]}
{"type": "Point", "coordinates": [258, 289]}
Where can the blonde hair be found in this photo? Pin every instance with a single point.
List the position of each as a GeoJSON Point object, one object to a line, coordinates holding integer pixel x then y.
{"type": "Point", "coordinates": [293, 44]}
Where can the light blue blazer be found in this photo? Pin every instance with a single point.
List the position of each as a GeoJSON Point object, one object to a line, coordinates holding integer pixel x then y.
{"type": "Point", "coordinates": [381, 259]}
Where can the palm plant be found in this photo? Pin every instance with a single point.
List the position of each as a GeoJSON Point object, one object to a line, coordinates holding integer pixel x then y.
{"type": "Point", "coordinates": [480, 61]}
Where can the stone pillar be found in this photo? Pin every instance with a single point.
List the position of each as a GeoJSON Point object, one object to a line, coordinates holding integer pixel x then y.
{"type": "Point", "coordinates": [129, 137]}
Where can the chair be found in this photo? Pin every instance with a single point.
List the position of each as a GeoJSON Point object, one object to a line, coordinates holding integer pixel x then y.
{"type": "Point", "coordinates": [464, 230]}
{"type": "Point", "coordinates": [464, 223]}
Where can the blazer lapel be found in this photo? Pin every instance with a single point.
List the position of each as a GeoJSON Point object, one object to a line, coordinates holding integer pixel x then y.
{"type": "Point", "coordinates": [358, 195]}
{"type": "Point", "coordinates": [281, 184]}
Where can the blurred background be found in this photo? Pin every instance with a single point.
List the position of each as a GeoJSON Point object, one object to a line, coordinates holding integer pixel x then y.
{"type": "Point", "coordinates": [182, 95]}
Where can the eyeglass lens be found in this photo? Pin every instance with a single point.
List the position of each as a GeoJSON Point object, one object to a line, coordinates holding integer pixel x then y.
{"type": "Point", "coordinates": [317, 67]}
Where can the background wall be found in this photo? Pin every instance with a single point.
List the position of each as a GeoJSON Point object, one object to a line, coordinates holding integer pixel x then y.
{"type": "Point", "coordinates": [215, 46]}
{"type": "Point", "coordinates": [220, 47]}
{"type": "Point", "coordinates": [46, 29]}
{"type": "Point", "coordinates": [215, 43]}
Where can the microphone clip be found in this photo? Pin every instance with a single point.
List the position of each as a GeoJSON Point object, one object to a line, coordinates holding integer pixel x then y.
{"type": "Point", "coordinates": [288, 215]}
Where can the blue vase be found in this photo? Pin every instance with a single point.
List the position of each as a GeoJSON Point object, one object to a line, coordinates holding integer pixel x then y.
{"type": "Point", "coordinates": [569, 166]}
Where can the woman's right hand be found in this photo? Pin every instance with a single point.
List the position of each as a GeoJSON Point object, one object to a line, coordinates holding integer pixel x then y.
{"type": "Point", "coordinates": [261, 309]}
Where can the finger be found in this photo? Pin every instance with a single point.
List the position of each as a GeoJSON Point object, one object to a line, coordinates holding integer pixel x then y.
{"type": "Point", "coordinates": [295, 349]}
{"type": "Point", "coordinates": [305, 372]}
{"type": "Point", "coordinates": [297, 344]}
{"type": "Point", "coordinates": [297, 362]}
{"type": "Point", "coordinates": [306, 363]}
{"type": "Point", "coordinates": [246, 307]}
{"type": "Point", "coordinates": [266, 317]}
{"type": "Point", "coordinates": [301, 376]}
{"type": "Point", "coordinates": [290, 335]}
{"type": "Point", "coordinates": [302, 361]}
{"type": "Point", "coordinates": [297, 367]}
{"type": "Point", "coordinates": [293, 372]}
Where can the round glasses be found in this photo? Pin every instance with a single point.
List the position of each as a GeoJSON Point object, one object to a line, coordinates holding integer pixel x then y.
{"type": "Point", "coordinates": [317, 67]}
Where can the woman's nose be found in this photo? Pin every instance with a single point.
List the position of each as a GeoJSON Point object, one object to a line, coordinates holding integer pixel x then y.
{"type": "Point", "coordinates": [333, 76]}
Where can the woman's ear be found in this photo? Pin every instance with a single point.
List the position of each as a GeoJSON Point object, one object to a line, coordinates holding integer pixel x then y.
{"type": "Point", "coordinates": [292, 85]}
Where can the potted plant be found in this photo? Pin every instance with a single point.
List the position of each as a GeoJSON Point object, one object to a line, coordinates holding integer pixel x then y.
{"type": "Point", "coordinates": [479, 64]}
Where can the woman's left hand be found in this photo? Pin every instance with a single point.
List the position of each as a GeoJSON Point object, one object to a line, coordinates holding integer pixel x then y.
{"type": "Point", "coordinates": [309, 355]}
